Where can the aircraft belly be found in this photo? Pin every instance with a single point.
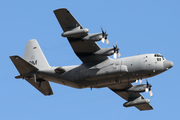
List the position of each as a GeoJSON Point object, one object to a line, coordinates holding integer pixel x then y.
{"type": "Point", "coordinates": [59, 80]}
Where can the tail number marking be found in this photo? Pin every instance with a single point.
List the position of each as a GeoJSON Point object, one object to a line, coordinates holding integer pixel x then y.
{"type": "Point", "coordinates": [33, 62]}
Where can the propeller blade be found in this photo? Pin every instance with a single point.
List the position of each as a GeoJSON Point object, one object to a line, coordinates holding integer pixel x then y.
{"type": "Point", "coordinates": [140, 81]}
{"type": "Point", "coordinates": [104, 36]}
{"type": "Point", "coordinates": [116, 51]}
{"type": "Point", "coordinates": [115, 55]}
{"type": "Point", "coordinates": [136, 81]}
{"type": "Point", "coordinates": [150, 92]}
{"type": "Point", "coordinates": [119, 55]}
{"type": "Point", "coordinates": [102, 31]}
{"type": "Point", "coordinates": [146, 89]}
{"type": "Point", "coordinates": [107, 41]}
{"type": "Point", "coordinates": [102, 39]}
{"type": "Point", "coordinates": [147, 83]}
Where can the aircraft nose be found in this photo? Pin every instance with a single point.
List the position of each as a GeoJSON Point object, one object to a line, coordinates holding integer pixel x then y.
{"type": "Point", "coordinates": [168, 64]}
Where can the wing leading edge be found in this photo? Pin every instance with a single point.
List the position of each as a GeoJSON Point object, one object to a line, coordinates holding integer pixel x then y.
{"type": "Point", "coordinates": [132, 98]}
{"type": "Point", "coordinates": [83, 49]}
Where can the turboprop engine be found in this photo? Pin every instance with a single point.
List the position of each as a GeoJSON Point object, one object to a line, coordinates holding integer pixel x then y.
{"type": "Point", "coordinates": [97, 37]}
{"type": "Point", "coordinates": [75, 33]}
{"type": "Point", "coordinates": [104, 52]}
{"type": "Point", "coordinates": [141, 88]}
{"type": "Point", "coordinates": [138, 101]}
{"type": "Point", "coordinates": [93, 37]}
{"type": "Point", "coordinates": [137, 88]}
{"type": "Point", "coordinates": [108, 52]}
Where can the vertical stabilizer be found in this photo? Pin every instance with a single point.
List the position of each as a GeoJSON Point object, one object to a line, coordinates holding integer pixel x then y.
{"type": "Point", "coordinates": [34, 55]}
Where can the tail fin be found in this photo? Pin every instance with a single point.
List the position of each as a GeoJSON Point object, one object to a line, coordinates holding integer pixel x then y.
{"type": "Point", "coordinates": [34, 55]}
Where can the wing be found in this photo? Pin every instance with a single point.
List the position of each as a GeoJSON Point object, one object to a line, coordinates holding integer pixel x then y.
{"type": "Point", "coordinates": [83, 49]}
{"type": "Point", "coordinates": [130, 96]}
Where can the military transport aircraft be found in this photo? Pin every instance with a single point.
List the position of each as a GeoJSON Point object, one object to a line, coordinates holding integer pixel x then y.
{"type": "Point", "coordinates": [97, 69]}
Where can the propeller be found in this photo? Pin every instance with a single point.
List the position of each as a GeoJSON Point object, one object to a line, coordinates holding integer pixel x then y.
{"type": "Point", "coordinates": [104, 36]}
{"type": "Point", "coordinates": [148, 88]}
{"type": "Point", "coordinates": [116, 51]}
{"type": "Point", "coordinates": [140, 81]}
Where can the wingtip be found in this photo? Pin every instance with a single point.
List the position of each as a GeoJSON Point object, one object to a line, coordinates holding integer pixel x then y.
{"type": "Point", "coordinates": [60, 9]}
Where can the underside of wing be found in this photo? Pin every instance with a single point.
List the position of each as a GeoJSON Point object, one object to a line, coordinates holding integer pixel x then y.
{"type": "Point", "coordinates": [66, 20]}
{"type": "Point", "coordinates": [85, 49]}
{"type": "Point", "coordinates": [132, 98]}
{"type": "Point", "coordinates": [83, 44]}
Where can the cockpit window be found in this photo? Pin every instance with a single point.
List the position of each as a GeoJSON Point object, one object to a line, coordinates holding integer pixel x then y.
{"type": "Point", "coordinates": [163, 58]}
{"type": "Point", "coordinates": [159, 55]}
{"type": "Point", "coordinates": [158, 59]}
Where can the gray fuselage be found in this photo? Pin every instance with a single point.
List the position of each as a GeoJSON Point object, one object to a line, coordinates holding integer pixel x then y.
{"type": "Point", "coordinates": [108, 72]}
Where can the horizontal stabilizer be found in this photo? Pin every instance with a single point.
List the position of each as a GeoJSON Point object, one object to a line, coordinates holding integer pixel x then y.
{"type": "Point", "coordinates": [42, 85]}
{"type": "Point", "coordinates": [22, 65]}
{"type": "Point", "coordinates": [25, 68]}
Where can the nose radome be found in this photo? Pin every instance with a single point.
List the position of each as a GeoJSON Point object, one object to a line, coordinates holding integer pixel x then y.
{"type": "Point", "coordinates": [168, 64]}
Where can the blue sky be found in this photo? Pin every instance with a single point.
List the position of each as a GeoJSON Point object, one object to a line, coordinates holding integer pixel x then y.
{"type": "Point", "coordinates": [139, 26]}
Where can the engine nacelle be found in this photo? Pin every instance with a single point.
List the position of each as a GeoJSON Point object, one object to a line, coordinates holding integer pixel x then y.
{"type": "Point", "coordinates": [93, 37]}
{"type": "Point", "coordinates": [75, 33]}
{"type": "Point", "coordinates": [137, 88]}
{"type": "Point", "coordinates": [104, 52]}
{"type": "Point", "coordinates": [136, 102]}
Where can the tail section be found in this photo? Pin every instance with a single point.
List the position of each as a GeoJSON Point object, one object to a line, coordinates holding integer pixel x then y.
{"type": "Point", "coordinates": [24, 67]}
{"type": "Point", "coordinates": [34, 55]}
{"type": "Point", "coordinates": [28, 67]}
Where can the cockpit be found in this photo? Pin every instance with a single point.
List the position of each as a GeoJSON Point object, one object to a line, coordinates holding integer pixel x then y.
{"type": "Point", "coordinates": [159, 57]}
